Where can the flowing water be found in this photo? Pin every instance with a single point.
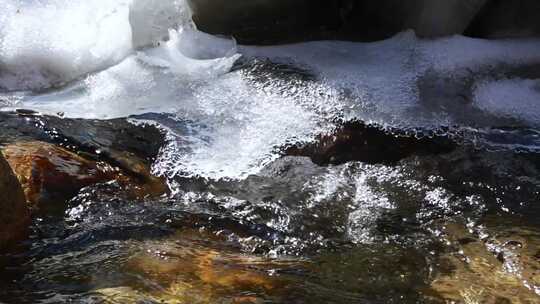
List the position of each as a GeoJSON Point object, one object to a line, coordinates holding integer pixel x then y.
{"type": "Point", "coordinates": [244, 223]}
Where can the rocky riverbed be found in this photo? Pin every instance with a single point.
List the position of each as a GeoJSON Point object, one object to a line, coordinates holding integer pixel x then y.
{"type": "Point", "coordinates": [146, 161]}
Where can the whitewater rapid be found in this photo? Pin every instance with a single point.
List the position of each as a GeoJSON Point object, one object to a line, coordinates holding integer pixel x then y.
{"type": "Point", "coordinates": [116, 58]}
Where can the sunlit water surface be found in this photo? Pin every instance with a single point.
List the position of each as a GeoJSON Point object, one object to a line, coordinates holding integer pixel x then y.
{"type": "Point", "coordinates": [246, 225]}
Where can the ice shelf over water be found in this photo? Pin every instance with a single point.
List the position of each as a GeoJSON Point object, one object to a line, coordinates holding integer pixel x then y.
{"type": "Point", "coordinates": [115, 58]}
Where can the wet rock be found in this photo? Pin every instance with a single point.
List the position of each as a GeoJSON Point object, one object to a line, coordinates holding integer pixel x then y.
{"type": "Point", "coordinates": [192, 267]}
{"type": "Point", "coordinates": [55, 157]}
{"type": "Point", "coordinates": [14, 214]}
{"type": "Point", "coordinates": [50, 174]}
{"type": "Point", "coordinates": [369, 20]}
{"type": "Point", "coordinates": [108, 140]}
{"type": "Point", "coordinates": [264, 21]}
{"type": "Point", "coordinates": [490, 269]}
{"type": "Point", "coordinates": [435, 18]}
{"type": "Point", "coordinates": [356, 141]}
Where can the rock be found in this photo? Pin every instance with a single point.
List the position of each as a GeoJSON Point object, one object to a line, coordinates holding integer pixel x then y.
{"type": "Point", "coordinates": [255, 22]}
{"type": "Point", "coordinates": [192, 268]}
{"type": "Point", "coordinates": [435, 18]}
{"type": "Point", "coordinates": [51, 174]}
{"type": "Point", "coordinates": [281, 21]}
{"type": "Point", "coordinates": [506, 19]}
{"type": "Point", "coordinates": [356, 141]}
{"type": "Point", "coordinates": [106, 140]}
{"type": "Point", "coordinates": [375, 20]}
{"type": "Point", "coordinates": [55, 157]}
{"type": "Point", "coordinates": [14, 214]}
{"type": "Point", "coordinates": [489, 268]}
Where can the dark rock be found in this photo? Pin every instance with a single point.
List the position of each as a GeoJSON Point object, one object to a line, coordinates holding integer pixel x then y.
{"type": "Point", "coordinates": [373, 20]}
{"type": "Point", "coordinates": [14, 214]}
{"type": "Point", "coordinates": [356, 141]}
{"type": "Point", "coordinates": [505, 19]}
{"type": "Point", "coordinates": [271, 21]}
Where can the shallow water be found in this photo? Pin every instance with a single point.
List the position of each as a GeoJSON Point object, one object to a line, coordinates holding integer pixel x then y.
{"type": "Point", "coordinates": [245, 223]}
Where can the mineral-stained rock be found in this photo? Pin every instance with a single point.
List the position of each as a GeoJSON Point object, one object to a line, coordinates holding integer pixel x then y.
{"type": "Point", "coordinates": [506, 19]}
{"type": "Point", "coordinates": [496, 266]}
{"type": "Point", "coordinates": [190, 268]}
{"type": "Point", "coordinates": [54, 157]}
{"type": "Point", "coordinates": [49, 173]}
{"type": "Point", "coordinates": [14, 215]}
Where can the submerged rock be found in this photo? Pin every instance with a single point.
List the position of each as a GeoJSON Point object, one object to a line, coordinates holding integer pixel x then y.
{"type": "Point", "coordinates": [51, 175]}
{"type": "Point", "coordinates": [195, 267]}
{"type": "Point", "coordinates": [14, 215]}
{"type": "Point", "coordinates": [489, 265]}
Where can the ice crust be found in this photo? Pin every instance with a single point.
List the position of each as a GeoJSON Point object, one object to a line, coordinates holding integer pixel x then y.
{"type": "Point", "coordinates": [115, 58]}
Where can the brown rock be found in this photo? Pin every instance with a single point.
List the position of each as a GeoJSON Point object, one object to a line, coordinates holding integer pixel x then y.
{"type": "Point", "coordinates": [49, 173]}
{"type": "Point", "coordinates": [500, 269]}
{"type": "Point", "coordinates": [14, 215]}
{"type": "Point", "coordinates": [192, 267]}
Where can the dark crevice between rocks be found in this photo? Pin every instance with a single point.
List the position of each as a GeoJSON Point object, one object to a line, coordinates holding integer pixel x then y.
{"type": "Point", "coordinates": [357, 141]}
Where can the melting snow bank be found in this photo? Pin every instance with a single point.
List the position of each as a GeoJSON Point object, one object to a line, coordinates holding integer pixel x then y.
{"type": "Point", "coordinates": [240, 113]}
{"type": "Point", "coordinates": [47, 43]}
{"type": "Point", "coordinates": [519, 98]}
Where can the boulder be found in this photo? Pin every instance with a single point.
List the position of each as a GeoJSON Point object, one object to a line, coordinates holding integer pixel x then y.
{"type": "Point", "coordinates": [495, 265]}
{"type": "Point", "coordinates": [279, 21]}
{"type": "Point", "coordinates": [507, 19]}
{"type": "Point", "coordinates": [55, 157]}
{"type": "Point", "coordinates": [356, 141]}
{"type": "Point", "coordinates": [191, 267]}
{"type": "Point", "coordinates": [434, 18]}
{"type": "Point", "coordinates": [49, 173]}
{"type": "Point", "coordinates": [14, 214]}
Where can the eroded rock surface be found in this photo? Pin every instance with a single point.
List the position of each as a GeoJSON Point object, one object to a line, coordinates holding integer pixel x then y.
{"type": "Point", "coordinates": [14, 215]}
{"type": "Point", "coordinates": [55, 157]}
{"type": "Point", "coordinates": [49, 159]}
{"type": "Point", "coordinates": [49, 173]}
